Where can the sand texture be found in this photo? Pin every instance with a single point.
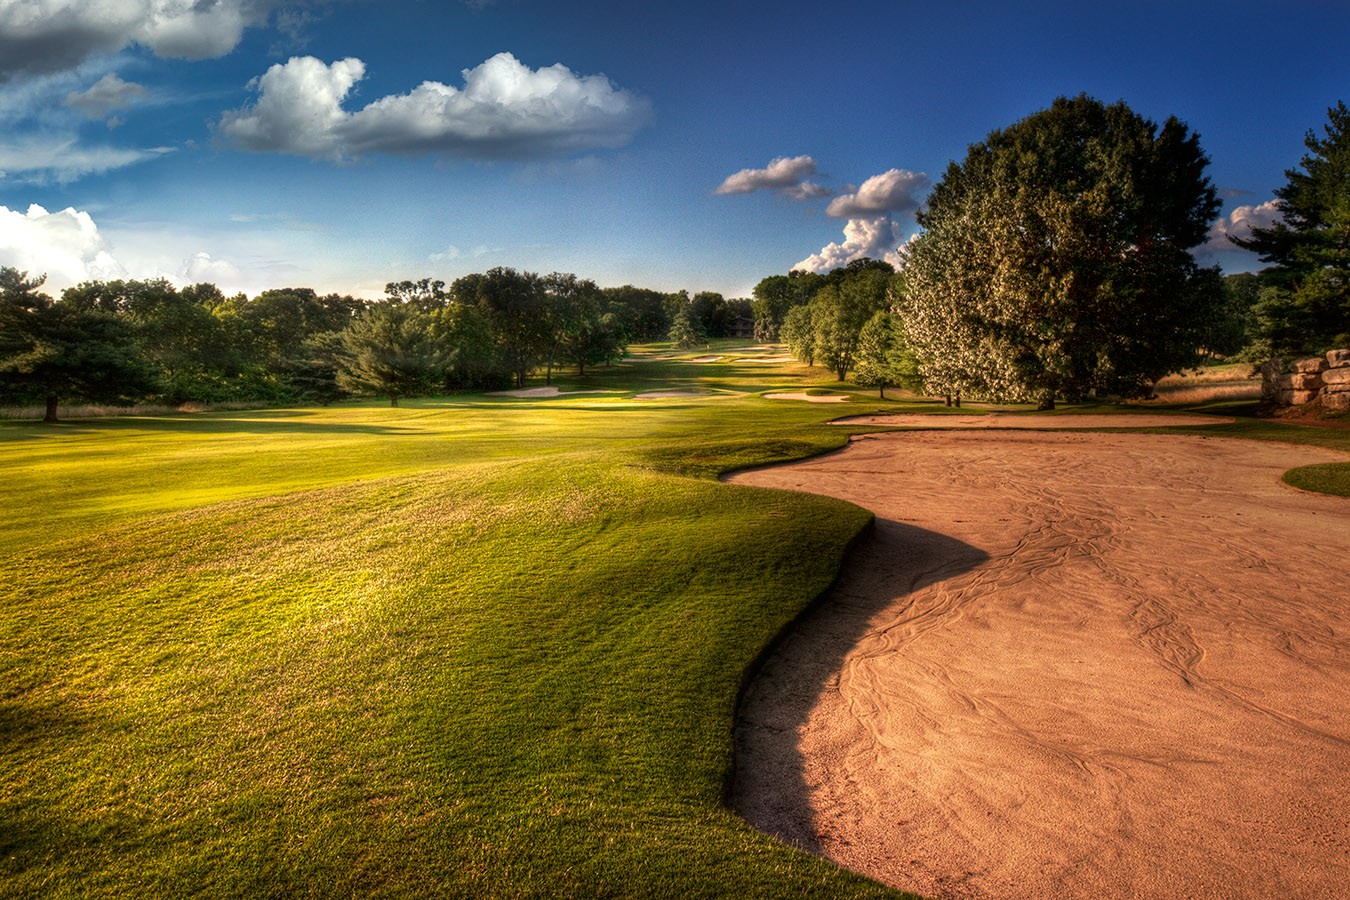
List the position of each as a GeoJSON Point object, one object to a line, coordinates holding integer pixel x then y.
{"type": "Point", "coordinates": [809, 398]}
{"type": "Point", "coordinates": [1067, 665]}
{"type": "Point", "coordinates": [1026, 420]}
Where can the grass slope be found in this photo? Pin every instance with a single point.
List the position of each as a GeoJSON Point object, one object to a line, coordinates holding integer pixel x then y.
{"type": "Point", "coordinates": [478, 647]}
{"type": "Point", "coordinates": [474, 646]}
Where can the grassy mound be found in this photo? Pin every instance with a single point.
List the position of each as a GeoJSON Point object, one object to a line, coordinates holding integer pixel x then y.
{"type": "Point", "coordinates": [477, 648]}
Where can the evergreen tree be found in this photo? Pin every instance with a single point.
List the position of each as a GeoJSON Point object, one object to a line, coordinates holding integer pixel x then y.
{"type": "Point", "coordinates": [52, 351]}
{"type": "Point", "coordinates": [1304, 303]}
{"type": "Point", "coordinates": [685, 329]}
{"type": "Point", "coordinates": [391, 351]}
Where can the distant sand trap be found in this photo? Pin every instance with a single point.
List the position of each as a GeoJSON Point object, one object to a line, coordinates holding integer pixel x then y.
{"type": "Point", "coordinates": [809, 398]}
{"type": "Point", "coordinates": [764, 359]}
{"type": "Point", "coordinates": [659, 395]}
{"type": "Point", "coordinates": [1067, 665]}
{"type": "Point", "coordinates": [995, 420]}
{"type": "Point", "coordinates": [705, 359]}
{"type": "Point", "coordinates": [541, 392]}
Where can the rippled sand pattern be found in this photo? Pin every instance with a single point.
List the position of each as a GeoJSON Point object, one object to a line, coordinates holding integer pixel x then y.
{"type": "Point", "coordinates": [1068, 666]}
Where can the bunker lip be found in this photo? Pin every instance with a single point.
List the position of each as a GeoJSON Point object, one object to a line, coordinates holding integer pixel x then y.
{"type": "Point", "coordinates": [1067, 665]}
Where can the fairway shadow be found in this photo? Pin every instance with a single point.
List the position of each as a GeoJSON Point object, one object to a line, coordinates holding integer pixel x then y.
{"type": "Point", "coordinates": [768, 785]}
{"type": "Point", "coordinates": [201, 426]}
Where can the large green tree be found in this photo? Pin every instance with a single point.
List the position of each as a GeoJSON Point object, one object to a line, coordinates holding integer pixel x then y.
{"type": "Point", "coordinates": [841, 309]}
{"type": "Point", "coordinates": [55, 351]}
{"type": "Point", "coordinates": [884, 356]}
{"type": "Point", "coordinates": [392, 351]}
{"type": "Point", "coordinates": [1054, 260]}
{"type": "Point", "coordinates": [1304, 304]}
{"type": "Point", "coordinates": [515, 307]}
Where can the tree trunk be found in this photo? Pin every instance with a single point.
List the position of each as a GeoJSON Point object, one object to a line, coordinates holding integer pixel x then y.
{"type": "Point", "coordinates": [958, 399]}
{"type": "Point", "coordinates": [393, 399]}
{"type": "Point", "coordinates": [51, 409]}
{"type": "Point", "coordinates": [883, 392]}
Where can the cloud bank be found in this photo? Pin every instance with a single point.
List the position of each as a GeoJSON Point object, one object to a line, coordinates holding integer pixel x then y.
{"type": "Point", "coordinates": [783, 174]}
{"type": "Point", "coordinates": [40, 36]}
{"type": "Point", "coordinates": [64, 245]}
{"type": "Point", "coordinates": [877, 238]}
{"type": "Point", "coordinates": [505, 110]}
{"type": "Point", "coordinates": [871, 229]}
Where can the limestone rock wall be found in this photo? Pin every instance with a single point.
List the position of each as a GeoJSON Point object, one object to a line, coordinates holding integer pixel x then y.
{"type": "Point", "coordinates": [1314, 379]}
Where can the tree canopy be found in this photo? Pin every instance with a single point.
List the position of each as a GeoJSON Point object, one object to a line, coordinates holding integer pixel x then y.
{"type": "Point", "coordinates": [52, 351]}
{"type": "Point", "coordinates": [1054, 260]}
{"type": "Point", "coordinates": [1304, 303]}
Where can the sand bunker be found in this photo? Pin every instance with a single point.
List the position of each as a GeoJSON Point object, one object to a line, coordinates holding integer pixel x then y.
{"type": "Point", "coordinates": [764, 359]}
{"type": "Point", "coordinates": [541, 392]}
{"type": "Point", "coordinates": [705, 359]}
{"type": "Point", "coordinates": [809, 398]}
{"type": "Point", "coordinates": [1065, 666]}
{"type": "Point", "coordinates": [995, 420]}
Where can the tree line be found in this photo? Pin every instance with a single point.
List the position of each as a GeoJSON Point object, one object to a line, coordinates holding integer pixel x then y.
{"type": "Point", "coordinates": [147, 341]}
{"type": "Point", "coordinates": [1055, 262]}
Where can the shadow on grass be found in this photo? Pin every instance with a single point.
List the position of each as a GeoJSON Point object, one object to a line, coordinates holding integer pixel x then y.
{"type": "Point", "coordinates": [277, 424]}
{"type": "Point", "coordinates": [770, 787]}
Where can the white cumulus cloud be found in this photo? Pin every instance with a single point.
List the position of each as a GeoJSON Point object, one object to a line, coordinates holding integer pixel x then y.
{"type": "Point", "coordinates": [896, 190]}
{"type": "Point", "coordinates": [202, 267]}
{"type": "Point", "coordinates": [38, 36]}
{"type": "Point", "coordinates": [1239, 224]}
{"type": "Point", "coordinates": [877, 238]}
{"type": "Point", "coordinates": [107, 94]}
{"type": "Point", "coordinates": [505, 110]}
{"type": "Point", "coordinates": [64, 245]}
{"type": "Point", "coordinates": [788, 175]}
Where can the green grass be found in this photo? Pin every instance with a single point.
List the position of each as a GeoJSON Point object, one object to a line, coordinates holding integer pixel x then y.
{"type": "Point", "coordinates": [474, 646]}
{"type": "Point", "coordinates": [1328, 478]}
{"type": "Point", "coordinates": [468, 647]}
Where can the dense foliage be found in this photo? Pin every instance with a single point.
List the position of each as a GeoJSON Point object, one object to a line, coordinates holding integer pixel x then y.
{"type": "Point", "coordinates": [1304, 302]}
{"type": "Point", "coordinates": [1054, 260]}
{"type": "Point", "coordinates": [125, 342]}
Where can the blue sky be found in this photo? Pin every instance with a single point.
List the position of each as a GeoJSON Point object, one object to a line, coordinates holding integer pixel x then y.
{"type": "Point", "coordinates": [341, 145]}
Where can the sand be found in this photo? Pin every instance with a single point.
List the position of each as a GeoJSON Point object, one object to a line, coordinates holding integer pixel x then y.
{"type": "Point", "coordinates": [764, 359]}
{"type": "Point", "coordinates": [1033, 420]}
{"type": "Point", "coordinates": [809, 398]}
{"type": "Point", "coordinates": [1067, 665]}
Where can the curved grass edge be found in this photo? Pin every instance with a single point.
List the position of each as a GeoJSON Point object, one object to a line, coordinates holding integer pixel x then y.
{"type": "Point", "coordinates": [756, 665]}
{"type": "Point", "coordinates": [1322, 478]}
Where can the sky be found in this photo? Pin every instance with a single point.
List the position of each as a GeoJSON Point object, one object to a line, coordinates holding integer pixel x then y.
{"type": "Point", "coordinates": [344, 144]}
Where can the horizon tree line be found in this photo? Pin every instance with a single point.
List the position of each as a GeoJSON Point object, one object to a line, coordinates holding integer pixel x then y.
{"type": "Point", "coordinates": [1054, 261]}
{"type": "Point", "coordinates": [136, 341]}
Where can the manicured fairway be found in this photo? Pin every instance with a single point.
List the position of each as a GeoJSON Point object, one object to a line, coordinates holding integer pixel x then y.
{"type": "Point", "coordinates": [479, 647]}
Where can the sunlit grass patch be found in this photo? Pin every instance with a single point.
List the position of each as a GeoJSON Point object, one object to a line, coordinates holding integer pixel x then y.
{"type": "Point", "coordinates": [458, 648]}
